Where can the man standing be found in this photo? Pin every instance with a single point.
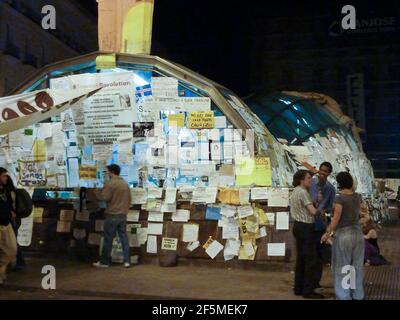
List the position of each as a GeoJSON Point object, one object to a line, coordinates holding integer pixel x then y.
{"type": "Point", "coordinates": [323, 195]}
{"type": "Point", "coordinates": [8, 241]}
{"type": "Point", "coordinates": [117, 195]}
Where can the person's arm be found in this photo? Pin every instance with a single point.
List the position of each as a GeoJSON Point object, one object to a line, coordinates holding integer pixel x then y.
{"type": "Point", "coordinates": [337, 214]}
{"type": "Point", "coordinates": [307, 202]}
{"type": "Point", "coordinates": [311, 209]}
{"type": "Point", "coordinates": [371, 234]}
{"type": "Point", "coordinates": [104, 194]}
{"type": "Point", "coordinates": [327, 202]}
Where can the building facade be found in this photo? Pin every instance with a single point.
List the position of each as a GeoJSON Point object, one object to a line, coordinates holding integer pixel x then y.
{"type": "Point", "coordinates": [25, 46]}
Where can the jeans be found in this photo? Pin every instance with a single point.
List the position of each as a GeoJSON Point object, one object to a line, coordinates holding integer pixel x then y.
{"type": "Point", "coordinates": [348, 250]}
{"type": "Point", "coordinates": [114, 224]}
{"type": "Point", "coordinates": [306, 258]}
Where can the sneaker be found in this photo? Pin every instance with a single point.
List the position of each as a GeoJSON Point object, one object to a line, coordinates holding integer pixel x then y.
{"type": "Point", "coordinates": [314, 295]}
{"type": "Point", "coordinates": [127, 265]}
{"type": "Point", "coordinates": [98, 264]}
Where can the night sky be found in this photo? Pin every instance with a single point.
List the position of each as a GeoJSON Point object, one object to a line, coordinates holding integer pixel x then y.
{"type": "Point", "coordinates": [212, 37]}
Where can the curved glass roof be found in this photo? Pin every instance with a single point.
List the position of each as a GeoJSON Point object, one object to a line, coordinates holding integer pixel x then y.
{"type": "Point", "coordinates": [292, 118]}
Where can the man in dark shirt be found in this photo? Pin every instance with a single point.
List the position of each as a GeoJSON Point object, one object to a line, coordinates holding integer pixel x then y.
{"type": "Point", "coordinates": [323, 195]}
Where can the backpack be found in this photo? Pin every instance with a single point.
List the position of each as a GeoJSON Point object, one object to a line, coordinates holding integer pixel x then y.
{"type": "Point", "coordinates": [23, 203]}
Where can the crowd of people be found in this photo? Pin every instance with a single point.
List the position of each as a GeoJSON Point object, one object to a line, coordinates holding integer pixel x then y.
{"type": "Point", "coordinates": [330, 225]}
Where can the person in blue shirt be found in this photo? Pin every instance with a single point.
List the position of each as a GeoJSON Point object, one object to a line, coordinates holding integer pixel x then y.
{"type": "Point", "coordinates": [323, 195]}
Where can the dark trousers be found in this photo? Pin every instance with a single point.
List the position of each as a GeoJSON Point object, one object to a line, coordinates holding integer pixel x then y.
{"type": "Point", "coordinates": [321, 249]}
{"type": "Point", "coordinates": [306, 258]}
{"type": "Point", "coordinates": [20, 262]}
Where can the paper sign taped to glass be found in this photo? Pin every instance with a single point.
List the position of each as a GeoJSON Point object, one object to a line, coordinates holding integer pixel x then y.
{"type": "Point", "coordinates": [87, 172]}
{"type": "Point", "coordinates": [201, 120]}
{"type": "Point", "coordinates": [229, 196]}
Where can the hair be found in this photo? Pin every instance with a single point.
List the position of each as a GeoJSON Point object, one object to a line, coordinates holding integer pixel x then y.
{"type": "Point", "coordinates": [9, 184]}
{"type": "Point", "coordinates": [328, 165]}
{"type": "Point", "coordinates": [368, 226]}
{"type": "Point", "coordinates": [114, 168]}
{"type": "Point", "coordinates": [344, 180]}
{"type": "Point", "coordinates": [299, 176]}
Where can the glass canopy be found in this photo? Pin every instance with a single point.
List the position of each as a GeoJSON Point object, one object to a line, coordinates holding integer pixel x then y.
{"type": "Point", "coordinates": [313, 133]}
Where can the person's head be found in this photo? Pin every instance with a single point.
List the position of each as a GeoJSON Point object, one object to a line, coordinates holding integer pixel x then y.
{"type": "Point", "coordinates": [344, 180]}
{"type": "Point", "coordinates": [325, 169]}
{"type": "Point", "coordinates": [302, 178]}
{"type": "Point", "coordinates": [367, 225]}
{"type": "Point", "coordinates": [113, 170]}
{"type": "Point", "coordinates": [3, 176]}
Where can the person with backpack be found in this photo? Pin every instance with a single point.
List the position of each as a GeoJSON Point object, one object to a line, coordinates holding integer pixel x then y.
{"type": "Point", "coordinates": [8, 240]}
{"type": "Point", "coordinates": [19, 204]}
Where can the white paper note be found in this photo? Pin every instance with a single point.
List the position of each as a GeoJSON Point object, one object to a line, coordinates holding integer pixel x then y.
{"type": "Point", "coordinates": [259, 193]}
{"type": "Point", "coordinates": [82, 215]}
{"type": "Point", "coordinates": [214, 248]}
{"type": "Point", "coordinates": [139, 195]}
{"type": "Point", "coordinates": [181, 215]}
{"type": "Point", "coordinates": [151, 244]}
{"type": "Point", "coordinates": [276, 249]}
{"type": "Point", "coordinates": [133, 216]}
{"type": "Point", "coordinates": [282, 221]}
{"type": "Point", "coordinates": [155, 228]}
{"type": "Point", "coordinates": [192, 245]}
{"type": "Point", "coordinates": [245, 211]}
{"type": "Point", "coordinates": [263, 233]}
{"type": "Point", "coordinates": [155, 216]}
{"type": "Point", "coordinates": [231, 249]}
{"type": "Point", "coordinates": [170, 195]}
{"type": "Point", "coordinates": [278, 197]}
{"type": "Point", "coordinates": [154, 193]}
{"type": "Point", "coordinates": [190, 232]}
{"type": "Point", "coordinates": [66, 215]}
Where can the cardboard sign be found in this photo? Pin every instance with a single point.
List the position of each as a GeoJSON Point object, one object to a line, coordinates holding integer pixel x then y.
{"type": "Point", "coordinates": [169, 244]}
{"type": "Point", "coordinates": [201, 120]}
{"type": "Point", "coordinates": [176, 120]}
{"type": "Point", "coordinates": [32, 174]}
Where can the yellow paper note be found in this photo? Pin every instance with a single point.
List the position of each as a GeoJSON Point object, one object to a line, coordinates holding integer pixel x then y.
{"type": "Point", "coordinates": [208, 242]}
{"type": "Point", "coordinates": [243, 252]}
{"type": "Point", "coordinates": [106, 61]}
{"type": "Point", "coordinates": [39, 150]}
{"type": "Point", "coordinates": [262, 217]}
{"type": "Point", "coordinates": [201, 120]}
{"type": "Point", "coordinates": [176, 120]}
{"type": "Point", "coordinates": [244, 171]}
{"type": "Point", "coordinates": [87, 172]}
{"type": "Point", "coordinates": [249, 228]}
{"type": "Point", "coordinates": [229, 196]}
{"type": "Point", "coordinates": [262, 171]}
{"type": "Point", "coordinates": [37, 215]}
